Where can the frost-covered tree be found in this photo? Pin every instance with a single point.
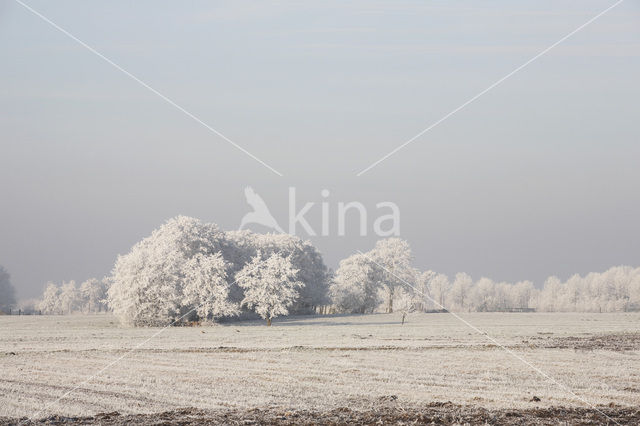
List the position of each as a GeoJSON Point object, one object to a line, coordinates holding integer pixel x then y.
{"type": "Point", "coordinates": [404, 301]}
{"type": "Point", "coordinates": [148, 282]}
{"type": "Point", "coordinates": [270, 285]}
{"type": "Point", "coordinates": [571, 293]}
{"type": "Point", "coordinates": [50, 303]}
{"type": "Point", "coordinates": [634, 290]}
{"type": "Point", "coordinates": [354, 288]}
{"type": "Point", "coordinates": [438, 290]}
{"type": "Point", "coordinates": [621, 279]}
{"type": "Point", "coordinates": [548, 298]}
{"type": "Point", "coordinates": [483, 295]}
{"type": "Point", "coordinates": [241, 246]}
{"type": "Point", "coordinates": [93, 293]}
{"type": "Point", "coordinates": [206, 289]}
{"type": "Point", "coordinates": [461, 292]}
{"type": "Point", "coordinates": [361, 278]}
{"type": "Point", "coordinates": [521, 294]}
{"type": "Point", "coordinates": [69, 297]}
{"type": "Point", "coordinates": [7, 292]}
{"type": "Point", "coordinates": [392, 261]}
{"type": "Point", "coordinates": [186, 263]}
{"type": "Point", "coordinates": [422, 292]}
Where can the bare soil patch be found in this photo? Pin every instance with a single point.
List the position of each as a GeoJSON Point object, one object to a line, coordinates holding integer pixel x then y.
{"type": "Point", "coordinates": [435, 413]}
{"type": "Point", "coordinates": [610, 342]}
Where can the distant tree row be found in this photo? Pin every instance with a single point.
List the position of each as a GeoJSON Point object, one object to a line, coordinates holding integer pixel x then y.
{"type": "Point", "coordinates": [616, 290]}
{"type": "Point", "coordinates": [383, 280]}
{"type": "Point", "coordinates": [89, 297]}
{"type": "Point", "coordinates": [364, 280]}
{"type": "Point", "coordinates": [188, 270]}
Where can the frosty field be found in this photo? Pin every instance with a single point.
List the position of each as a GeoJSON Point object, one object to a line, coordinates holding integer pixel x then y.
{"type": "Point", "coordinates": [318, 363]}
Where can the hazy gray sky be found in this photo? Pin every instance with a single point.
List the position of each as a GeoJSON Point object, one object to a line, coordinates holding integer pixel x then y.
{"type": "Point", "coordinates": [540, 176]}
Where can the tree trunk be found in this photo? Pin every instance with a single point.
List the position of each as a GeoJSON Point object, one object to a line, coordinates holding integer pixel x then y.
{"type": "Point", "coordinates": [390, 301]}
{"type": "Point", "coordinates": [268, 322]}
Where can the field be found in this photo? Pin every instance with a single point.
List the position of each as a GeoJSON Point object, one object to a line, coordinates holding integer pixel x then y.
{"type": "Point", "coordinates": [322, 364]}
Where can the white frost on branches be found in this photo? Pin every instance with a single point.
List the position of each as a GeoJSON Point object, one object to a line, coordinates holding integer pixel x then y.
{"type": "Point", "coordinates": [242, 246]}
{"type": "Point", "coordinates": [50, 299]}
{"type": "Point", "coordinates": [355, 288]}
{"type": "Point", "coordinates": [360, 278]}
{"type": "Point", "coordinates": [386, 270]}
{"type": "Point", "coordinates": [270, 285]}
{"type": "Point", "coordinates": [190, 270]}
{"type": "Point", "coordinates": [149, 282]}
{"type": "Point", "coordinates": [391, 259]}
{"type": "Point", "coordinates": [206, 288]}
{"type": "Point", "coordinates": [187, 265]}
{"type": "Point", "coordinates": [68, 298]}
{"type": "Point", "coordinates": [93, 294]}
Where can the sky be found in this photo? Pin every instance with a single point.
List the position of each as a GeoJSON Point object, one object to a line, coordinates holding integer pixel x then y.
{"type": "Point", "coordinates": [537, 177]}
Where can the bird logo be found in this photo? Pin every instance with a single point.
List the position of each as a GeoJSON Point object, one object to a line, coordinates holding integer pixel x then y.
{"type": "Point", "coordinates": [260, 214]}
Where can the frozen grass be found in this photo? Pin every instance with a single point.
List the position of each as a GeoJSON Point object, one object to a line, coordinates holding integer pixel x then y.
{"type": "Point", "coordinates": [317, 363]}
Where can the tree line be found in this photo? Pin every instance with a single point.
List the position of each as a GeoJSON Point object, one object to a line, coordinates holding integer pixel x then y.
{"type": "Point", "coordinates": [188, 270]}
{"type": "Point", "coordinates": [66, 298]}
{"type": "Point", "coordinates": [383, 279]}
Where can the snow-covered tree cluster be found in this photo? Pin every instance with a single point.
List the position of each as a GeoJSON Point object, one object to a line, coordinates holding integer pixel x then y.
{"type": "Point", "coordinates": [364, 280]}
{"type": "Point", "coordinates": [270, 285]}
{"type": "Point", "coordinates": [66, 298]}
{"type": "Point", "coordinates": [384, 280]}
{"type": "Point", "coordinates": [187, 270]}
{"type": "Point", "coordinates": [7, 292]}
{"type": "Point", "coordinates": [616, 290]}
